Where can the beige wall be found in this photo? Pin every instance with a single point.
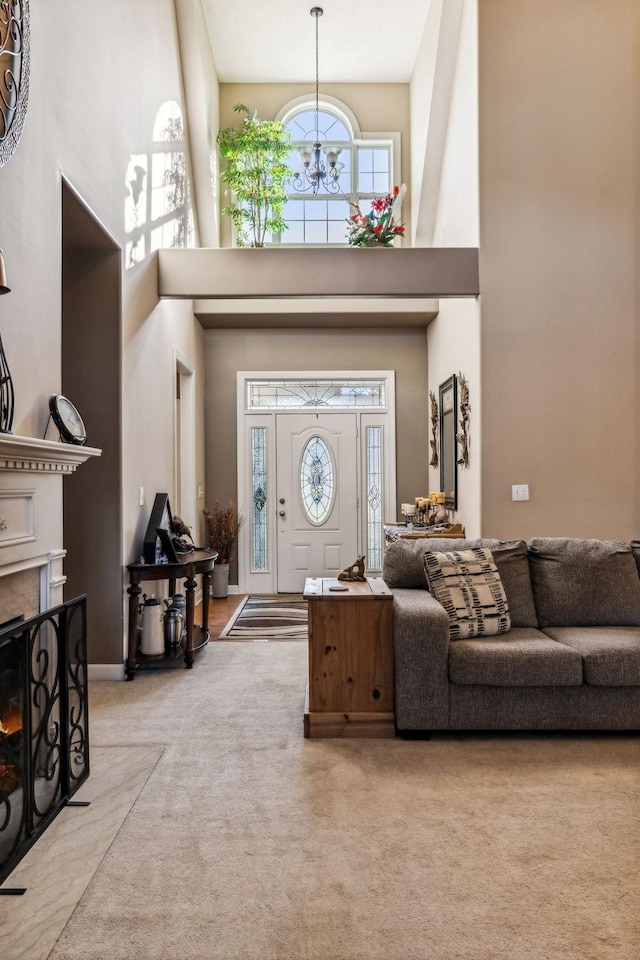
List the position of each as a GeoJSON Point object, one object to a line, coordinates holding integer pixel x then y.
{"type": "Point", "coordinates": [228, 351]}
{"type": "Point", "coordinates": [98, 77]}
{"type": "Point", "coordinates": [444, 112]}
{"type": "Point", "coordinates": [151, 341]}
{"type": "Point", "coordinates": [379, 108]}
{"type": "Point", "coordinates": [559, 222]}
{"type": "Point", "coordinates": [456, 214]}
{"type": "Point", "coordinates": [454, 348]}
{"type": "Point", "coordinates": [201, 94]}
{"type": "Point", "coordinates": [420, 104]}
{"type": "Point", "coordinates": [454, 336]}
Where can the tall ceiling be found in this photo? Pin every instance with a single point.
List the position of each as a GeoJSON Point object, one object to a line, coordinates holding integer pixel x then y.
{"type": "Point", "coordinates": [273, 41]}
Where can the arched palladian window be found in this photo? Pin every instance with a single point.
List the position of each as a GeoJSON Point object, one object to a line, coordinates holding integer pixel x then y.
{"type": "Point", "coordinates": [363, 170]}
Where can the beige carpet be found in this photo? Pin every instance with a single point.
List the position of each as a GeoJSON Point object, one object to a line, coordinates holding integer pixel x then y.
{"type": "Point", "coordinates": [250, 843]}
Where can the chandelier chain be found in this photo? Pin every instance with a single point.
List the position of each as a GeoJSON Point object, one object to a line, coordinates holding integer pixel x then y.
{"type": "Point", "coordinates": [317, 17]}
{"type": "Point", "coordinates": [316, 172]}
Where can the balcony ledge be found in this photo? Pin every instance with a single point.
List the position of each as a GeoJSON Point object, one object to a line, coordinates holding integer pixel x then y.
{"type": "Point", "coordinates": [316, 272]}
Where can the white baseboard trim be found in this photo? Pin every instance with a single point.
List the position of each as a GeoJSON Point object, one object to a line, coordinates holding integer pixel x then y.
{"type": "Point", "coordinates": [233, 588]}
{"type": "Point", "coordinates": [105, 671]}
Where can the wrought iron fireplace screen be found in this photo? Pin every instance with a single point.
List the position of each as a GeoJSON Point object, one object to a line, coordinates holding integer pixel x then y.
{"type": "Point", "coordinates": [44, 742]}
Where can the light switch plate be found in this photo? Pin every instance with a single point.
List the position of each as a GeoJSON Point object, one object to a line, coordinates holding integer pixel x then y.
{"type": "Point", "coordinates": [520, 491]}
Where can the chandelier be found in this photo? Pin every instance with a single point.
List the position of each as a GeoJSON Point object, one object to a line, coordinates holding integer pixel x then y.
{"type": "Point", "coordinates": [316, 171]}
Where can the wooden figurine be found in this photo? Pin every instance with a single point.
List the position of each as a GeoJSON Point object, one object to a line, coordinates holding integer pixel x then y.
{"type": "Point", "coordinates": [354, 573]}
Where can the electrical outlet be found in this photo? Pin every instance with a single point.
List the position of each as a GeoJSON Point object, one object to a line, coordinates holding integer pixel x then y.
{"type": "Point", "coordinates": [141, 496]}
{"type": "Point", "coordinates": [520, 491]}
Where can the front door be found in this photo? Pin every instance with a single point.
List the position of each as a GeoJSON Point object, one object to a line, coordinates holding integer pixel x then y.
{"type": "Point", "coordinates": [317, 496]}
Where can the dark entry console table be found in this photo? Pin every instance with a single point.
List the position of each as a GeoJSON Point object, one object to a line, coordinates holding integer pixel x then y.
{"type": "Point", "coordinates": [197, 563]}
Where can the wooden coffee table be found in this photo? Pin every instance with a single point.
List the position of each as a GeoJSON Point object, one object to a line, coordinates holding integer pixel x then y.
{"type": "Point", "coordinates": [351, 676]}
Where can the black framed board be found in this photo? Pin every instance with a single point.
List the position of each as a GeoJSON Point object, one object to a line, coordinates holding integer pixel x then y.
{"type": "Point", "coordinates": [153, 549]}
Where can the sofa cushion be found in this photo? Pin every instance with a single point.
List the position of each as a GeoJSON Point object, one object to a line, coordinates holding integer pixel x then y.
{"type": "Point", "coordinates": [468, 585]}
{"type": "Point", "coordinates": [511, 559]}
{"type": "Point", "coordinates": [525, 657]}
{"type": "Point", "coordinates": [610, 655]}
{"type": "Point", "coordinates": [635, 550]}
{"type": "Point", "coordinates": [403, 566]}
{"type": "Point", "coordinates": [584, 582]}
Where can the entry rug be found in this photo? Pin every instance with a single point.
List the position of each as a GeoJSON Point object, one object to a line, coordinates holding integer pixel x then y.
{"type": "Point", "coordinates": [281, 617]}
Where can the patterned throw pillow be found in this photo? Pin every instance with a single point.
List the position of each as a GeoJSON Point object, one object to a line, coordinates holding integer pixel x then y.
{"type": "Point", "coordinates": [468, 585]}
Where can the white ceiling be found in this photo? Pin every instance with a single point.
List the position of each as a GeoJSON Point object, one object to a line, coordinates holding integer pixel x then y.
{"type": "Point", "coordinates": [273, 41]}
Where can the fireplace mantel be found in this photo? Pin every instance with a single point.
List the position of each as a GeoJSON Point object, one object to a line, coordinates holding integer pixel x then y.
{"type": "Point", "coordinates": [42, 456]}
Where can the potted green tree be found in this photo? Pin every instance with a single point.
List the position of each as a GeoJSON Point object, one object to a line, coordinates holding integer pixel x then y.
{"type": "Point", "coordinates": [223, 526]}
{"type": "Point", "coordinates": [256, 174]}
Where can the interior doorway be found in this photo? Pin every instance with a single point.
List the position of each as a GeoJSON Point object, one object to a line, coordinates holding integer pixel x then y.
{"type": "Point", "coordinates": [185, 442]}
{"type": "Point", "coordinates": [91, 379]}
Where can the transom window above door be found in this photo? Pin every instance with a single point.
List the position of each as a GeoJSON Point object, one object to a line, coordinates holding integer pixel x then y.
{"type": "Point", "coordinates": [299, 394]}
{"type": "Point", "coordinates": [360, 169]}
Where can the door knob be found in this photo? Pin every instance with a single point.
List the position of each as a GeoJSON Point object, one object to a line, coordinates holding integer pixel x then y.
{"type": "Point", "coordinates": [281, 513]}
{"type": "Point", "coordinates": [281, 500]}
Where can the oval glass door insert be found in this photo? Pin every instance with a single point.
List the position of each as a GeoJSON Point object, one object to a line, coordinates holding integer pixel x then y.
{"type": "Point", "coordinates": [317, 480]}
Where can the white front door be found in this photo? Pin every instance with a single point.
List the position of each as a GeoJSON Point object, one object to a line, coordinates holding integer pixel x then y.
{"type": "Point", "coordinates": [317, 496]}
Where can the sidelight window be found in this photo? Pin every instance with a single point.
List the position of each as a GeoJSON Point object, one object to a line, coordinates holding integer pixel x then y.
{"type": "Point", "coordinates": [374, 466]}
{"type": "Point", "coordinates": [259, 531]}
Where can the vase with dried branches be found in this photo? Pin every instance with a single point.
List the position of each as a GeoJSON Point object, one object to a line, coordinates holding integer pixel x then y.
{"type": "Point", "coordinates": [223, 526]}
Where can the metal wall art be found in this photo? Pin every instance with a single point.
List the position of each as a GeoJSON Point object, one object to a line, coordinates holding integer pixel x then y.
{"type": "Point", "coordinates": [14, 74]}
{"type": "Point", "coordinates": [434, 429]}
{"type": "Point", "coordinates": [465, 414]}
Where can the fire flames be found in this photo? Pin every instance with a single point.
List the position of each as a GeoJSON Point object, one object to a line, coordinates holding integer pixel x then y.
{"type": "Point", "coordinates": [10, 723]}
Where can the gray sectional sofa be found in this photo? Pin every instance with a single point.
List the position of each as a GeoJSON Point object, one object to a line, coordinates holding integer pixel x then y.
{"type": "Point", "coordinates": [571, 660]}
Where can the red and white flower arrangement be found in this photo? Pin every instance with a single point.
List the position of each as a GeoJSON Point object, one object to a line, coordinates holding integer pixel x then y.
{"type": "Point", "coordinates": [380, 226]}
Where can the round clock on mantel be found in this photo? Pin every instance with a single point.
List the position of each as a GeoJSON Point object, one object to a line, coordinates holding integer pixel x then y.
{"type": "Point", "coordinates": [67, 420]}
